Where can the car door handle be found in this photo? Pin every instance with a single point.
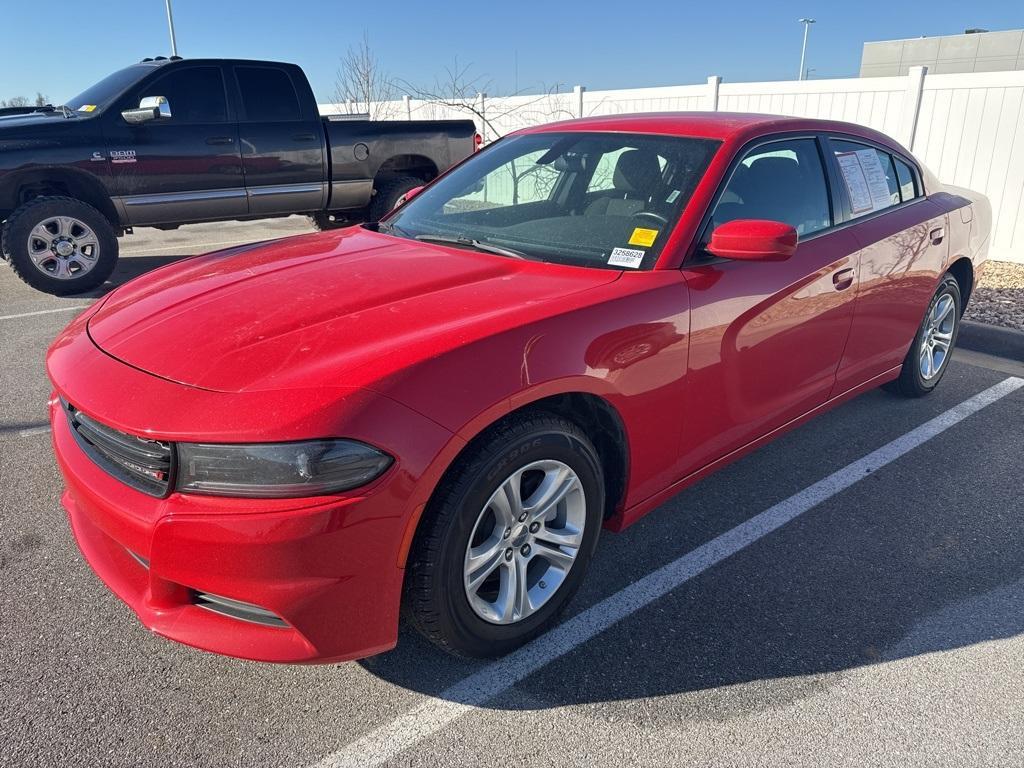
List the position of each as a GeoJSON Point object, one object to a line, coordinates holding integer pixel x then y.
{"type": "Point", "coordinates": [214, 140]}
{"type": "Point", "coordinates": [936, 235]}
{"type": "Point", "coordinates": [843, 279]}
{"type": "Point", "coordinates": [304, 137]}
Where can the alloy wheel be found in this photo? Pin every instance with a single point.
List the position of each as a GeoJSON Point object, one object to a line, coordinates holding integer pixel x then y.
{"type": "Point", "coordinates": [524, 542]}
{"type": "Point", "coordinates": [63, 247]}
{"type": "Point", "coordinates": [938, 336]}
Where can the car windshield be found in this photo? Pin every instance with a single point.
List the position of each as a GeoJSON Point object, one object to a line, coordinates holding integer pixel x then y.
{"type": "Point", "coordinates": [591, 199]}
{"type": "Point", "coordinates": [98, 96]}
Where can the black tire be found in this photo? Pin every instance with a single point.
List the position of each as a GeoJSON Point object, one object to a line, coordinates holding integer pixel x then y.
{"type": "Point", "coordinates": [387, 195]}
{"type": "Point", "coordinates": [911, 381]}
{"type": "Point", "coordinates": [323, 221]}
{"type": "Point", "coordinates": [28, 216]}
{"type": "Point", "coordinates": [436, 601]}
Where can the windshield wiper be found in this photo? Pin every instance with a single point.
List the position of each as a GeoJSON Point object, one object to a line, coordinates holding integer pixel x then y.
{"type": "Point", "coordinates": [469, 242]}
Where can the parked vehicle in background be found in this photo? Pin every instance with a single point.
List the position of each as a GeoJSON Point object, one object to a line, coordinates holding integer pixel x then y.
{"type": "Point", "coordinates": [170, 141]}
{"type": "Point", "coordinates": [446, 407]}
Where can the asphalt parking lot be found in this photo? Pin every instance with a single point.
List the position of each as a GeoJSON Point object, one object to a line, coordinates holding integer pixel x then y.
{"type": "Point", "coordinates": [852, 594]}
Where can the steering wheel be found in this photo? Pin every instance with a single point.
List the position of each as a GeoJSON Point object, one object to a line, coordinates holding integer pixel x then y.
{"type": "Point", "coordinates": [651, 215]}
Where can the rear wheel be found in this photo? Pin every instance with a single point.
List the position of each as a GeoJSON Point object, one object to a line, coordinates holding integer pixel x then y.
{"type": "Point", "coordinates": [387, 195]}
{"type": "Point", "coordinates": [928, 358]}
{"type": "Point", "coordinates": [325, 221]}
{"type": "Point", "coordinates": [507, 539]}
{"type": "Point", "coordinates": [60, 245]}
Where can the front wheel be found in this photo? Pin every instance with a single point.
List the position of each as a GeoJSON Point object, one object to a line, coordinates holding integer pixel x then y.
{"type": "Point", "coordinates": [506, 541]}
{"type": "Point", "coordinates": [60, 245]}
{"type": "Point", "coordinates": [929, 355]}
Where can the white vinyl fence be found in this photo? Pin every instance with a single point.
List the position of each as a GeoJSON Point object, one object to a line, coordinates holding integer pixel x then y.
{"type": "Point", "coordinates": [967, 128]}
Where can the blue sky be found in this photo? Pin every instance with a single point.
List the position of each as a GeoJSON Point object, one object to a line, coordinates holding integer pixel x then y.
{"type": "Point", "coordinates": [60, 47]}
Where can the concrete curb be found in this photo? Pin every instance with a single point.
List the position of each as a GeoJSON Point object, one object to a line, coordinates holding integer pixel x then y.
{"type": "Point", "coordinates": [992, 340]}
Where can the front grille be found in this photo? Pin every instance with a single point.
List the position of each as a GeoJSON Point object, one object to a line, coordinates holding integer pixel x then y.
{"type": "Point", "coordinates": [145, 465]}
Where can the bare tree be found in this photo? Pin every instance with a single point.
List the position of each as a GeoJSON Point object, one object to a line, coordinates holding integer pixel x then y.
{"type": "Point", "coordinates": [41, 100]}
{"type": "Point", "coordinates": [460, 89]}
{"type": "Point", "coordinates": [361, 85]}
{"type": "Point", "coordinates": [15, 101]}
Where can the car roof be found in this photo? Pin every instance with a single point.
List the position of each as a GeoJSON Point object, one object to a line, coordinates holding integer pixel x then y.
{"type": "Point", "coordinates": [725, 126]}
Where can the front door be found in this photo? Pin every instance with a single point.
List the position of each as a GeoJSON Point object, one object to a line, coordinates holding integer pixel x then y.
{"type": "Point", "coordinates": [183, 168]}
{"type": "Point", "coordinates": [766, 338]}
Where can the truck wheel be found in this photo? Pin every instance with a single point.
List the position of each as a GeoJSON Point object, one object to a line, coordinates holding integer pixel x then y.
{"type": "Point", "coordinates": [323, 221]}
{"type": "Point", "coordinates": [386, 196]}
{"type": "Point", "coordinates": [60, 245]}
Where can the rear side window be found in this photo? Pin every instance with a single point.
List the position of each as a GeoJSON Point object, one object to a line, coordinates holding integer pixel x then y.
{"type": "Point", "coordinates": [267, 94]}
{"type": "Point", "coordinates": [195, 95]}
{"type": "Point", "coordinates": [868, 175]}
{"type": "Point", "coordinates": [905, 177]}
{"type": "Point", "coordinates": [779, 181]}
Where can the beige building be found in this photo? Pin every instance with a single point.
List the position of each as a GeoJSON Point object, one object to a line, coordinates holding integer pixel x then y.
{"type": "Point", "coordinates": [975, 51]}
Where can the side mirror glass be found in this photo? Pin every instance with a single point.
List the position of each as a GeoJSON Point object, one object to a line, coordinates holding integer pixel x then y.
{"type": "Point", "coordinates": [753, 240]}
{"type": "Point", "coordinates": [150, 108]}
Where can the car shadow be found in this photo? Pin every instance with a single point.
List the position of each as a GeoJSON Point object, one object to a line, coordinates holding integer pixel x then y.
{"type": "Point", "coordinates": [897, 566]}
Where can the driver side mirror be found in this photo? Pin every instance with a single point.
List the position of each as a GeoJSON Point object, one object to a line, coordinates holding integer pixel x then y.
{"type": "Point", "coordinates": [150, 108]}
{"type": "Point", "coordinates": [753, 240]}
{"type": "Point", "coordinates": [408, 196]}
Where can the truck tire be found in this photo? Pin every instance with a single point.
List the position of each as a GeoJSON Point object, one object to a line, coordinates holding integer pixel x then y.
{"type": "Point", "coordinates": [386, 196]}
{"type": "Point", "coordinates": [60, 245]}
{"type": "Point", "coordinates": [324, 221]}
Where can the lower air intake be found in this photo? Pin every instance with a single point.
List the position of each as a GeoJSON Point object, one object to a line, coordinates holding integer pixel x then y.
{"type": "Point", "coordinates": [236, 609]}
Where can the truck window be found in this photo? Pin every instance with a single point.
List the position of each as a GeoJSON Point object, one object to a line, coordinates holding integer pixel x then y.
{"type": "Point", "coordinates": [196, 94]}
{"type": "Point", "coordinates": [267, 94]}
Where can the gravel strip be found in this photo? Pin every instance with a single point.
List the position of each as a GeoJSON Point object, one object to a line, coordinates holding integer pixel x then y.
{"type": "Point", "coordinates": [999, 297]}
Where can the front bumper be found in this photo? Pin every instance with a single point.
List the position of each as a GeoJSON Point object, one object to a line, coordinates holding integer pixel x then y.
{"type": "Point", "coordinates": [327, 569]}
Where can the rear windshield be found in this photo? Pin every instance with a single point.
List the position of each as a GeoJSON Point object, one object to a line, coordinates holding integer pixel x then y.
{"type": "Point", "coordinates": [592, 199]}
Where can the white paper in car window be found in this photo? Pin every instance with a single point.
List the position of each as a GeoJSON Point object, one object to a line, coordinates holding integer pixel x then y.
{"type": "Point", "coordinates": [865, 180]}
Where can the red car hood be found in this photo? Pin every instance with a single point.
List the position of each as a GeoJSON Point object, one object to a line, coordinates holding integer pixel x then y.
{"type": "Point", "coordinates": [341, 308]}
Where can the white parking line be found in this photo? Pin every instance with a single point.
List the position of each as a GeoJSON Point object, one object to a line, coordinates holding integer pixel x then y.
{"type": "Point", "coordinates": [33, 431]}
{"type": "Point", "coordinates": [436, 714]}
{"type": "Point", "coordinates": [44, 312]}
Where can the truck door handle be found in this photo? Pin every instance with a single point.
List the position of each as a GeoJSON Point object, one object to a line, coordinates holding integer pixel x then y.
{"type": "Point", "coordinates": [304, 137]}
{"type": "Point", "coordinates": [936, 235]}
{"type": "Point", "coordinates": [214, 140]}
{"type": "Point", "coordinates": [843, 279]}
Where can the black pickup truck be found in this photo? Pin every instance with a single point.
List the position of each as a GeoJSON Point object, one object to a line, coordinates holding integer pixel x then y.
{"type": "Point", "coordinates": [171, 141]}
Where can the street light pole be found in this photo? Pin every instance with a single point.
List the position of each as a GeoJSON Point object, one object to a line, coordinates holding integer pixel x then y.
{"type": "Point", "coordinates": [174, 42]}
{"type": "Point", "coordinates": [803, 51]}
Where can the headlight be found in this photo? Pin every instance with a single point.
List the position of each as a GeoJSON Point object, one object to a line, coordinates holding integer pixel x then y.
{"type": "Point", "coordinates": [278, 470]}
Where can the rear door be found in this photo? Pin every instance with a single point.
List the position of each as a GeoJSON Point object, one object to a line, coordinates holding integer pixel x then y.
{"type": "Point", "coordinates": [183, 168]}
{"type": "Point", "coordinates": [283, 152]}
{"type": "Point", "coordinates": [902, 246]}
{"type": "Point", "coordinates": [766, 338]}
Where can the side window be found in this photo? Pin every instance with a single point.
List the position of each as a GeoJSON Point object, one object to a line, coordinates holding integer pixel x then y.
{"type": "Point", "coordinates": [905, 176]}
{"type": "Point", "coordinates": [869, 176]}
{"type": "Point", "coordinates": [267, 94]}
{"type": "Point", "coordinates": [195, 95]}
{"type": "Point", "coordinates": [779, 181]}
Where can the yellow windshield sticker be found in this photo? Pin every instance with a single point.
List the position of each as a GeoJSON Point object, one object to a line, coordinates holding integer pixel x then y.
{"type": "Point", "coordinates": [87, 108]}
{"type": "Point", "coordinates": [644, 237]}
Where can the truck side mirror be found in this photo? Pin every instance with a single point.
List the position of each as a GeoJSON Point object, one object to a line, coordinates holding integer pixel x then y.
{"type": "Point", "coordinates": [150, 108]}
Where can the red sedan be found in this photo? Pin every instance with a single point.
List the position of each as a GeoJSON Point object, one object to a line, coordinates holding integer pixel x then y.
{"type": "Point", "coordinates": [268, 450]}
